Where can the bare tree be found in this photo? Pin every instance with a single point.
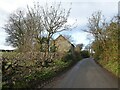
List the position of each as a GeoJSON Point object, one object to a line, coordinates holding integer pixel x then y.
{"type": "Point", "coordinates": [27, 28]}
{"type": "Point", "coordinates": [103, 33]}
{"type": "Point", "coordinates": [54, 19]}
{"type": "Point", "coordinates": [33, 29]}
{"type": "Point", "coordinates": [23, 28]}
{"type": "Point", "coordinates": [96, 27]}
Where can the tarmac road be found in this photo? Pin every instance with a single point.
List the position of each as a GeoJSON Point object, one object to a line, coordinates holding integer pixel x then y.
{"type": "Point", "coordinates": [85, 74]}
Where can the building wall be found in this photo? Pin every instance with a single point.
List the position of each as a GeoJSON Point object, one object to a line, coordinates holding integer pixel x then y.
{"type": "Point", "coordinates": [62, 45]}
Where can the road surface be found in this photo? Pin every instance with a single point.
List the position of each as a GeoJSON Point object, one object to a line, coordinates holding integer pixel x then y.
{"type": "Point", "coordinates": [85, 74]}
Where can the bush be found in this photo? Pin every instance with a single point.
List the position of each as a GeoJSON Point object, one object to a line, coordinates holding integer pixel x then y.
{"type": "Point", "coordinates": [85, 54]}
{"type": "Point", "coordinates": [67, 57]}
{"type": "Point", "coordinates": [77, 56]}
{"type": "Point", "coordinates": [18, 74]}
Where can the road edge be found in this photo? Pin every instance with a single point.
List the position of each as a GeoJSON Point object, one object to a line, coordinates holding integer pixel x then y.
{"type": "Point", "coordinates": [112, 74]}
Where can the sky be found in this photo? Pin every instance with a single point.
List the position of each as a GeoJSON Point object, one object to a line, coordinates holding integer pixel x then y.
{"type": "Point", "coordinates": [81, 11]}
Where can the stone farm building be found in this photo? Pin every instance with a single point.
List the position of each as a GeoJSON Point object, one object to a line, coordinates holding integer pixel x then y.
{"type": "Point", "coordinates": [63, 45]}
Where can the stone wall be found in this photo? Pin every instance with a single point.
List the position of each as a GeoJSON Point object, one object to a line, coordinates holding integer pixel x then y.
{"type": "Point", "coordinates": [62, 44]}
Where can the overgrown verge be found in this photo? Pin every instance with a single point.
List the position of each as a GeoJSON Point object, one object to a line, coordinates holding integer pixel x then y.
{"type": "Point", "coordinates": [112, 66]}
{"type": "Point", "coordinates": [20, 71]}
{"type": "Point", "coordinates": [106, 40]}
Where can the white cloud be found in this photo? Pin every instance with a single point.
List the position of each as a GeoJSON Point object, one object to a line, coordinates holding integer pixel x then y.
{"type": "Point", "coordinates": [80, 37]}
{"type": "Point", "coordinates": [83, 0]}
{"type": "Point", "coordinates": [11, 5]}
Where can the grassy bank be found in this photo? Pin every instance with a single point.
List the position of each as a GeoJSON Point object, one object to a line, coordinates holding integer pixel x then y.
{"type": "Point", "coordinates": [112, 66]}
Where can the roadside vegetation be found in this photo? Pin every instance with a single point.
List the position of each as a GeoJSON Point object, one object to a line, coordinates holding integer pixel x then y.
{"type": "Point", "coordinates": [35, 60]}
{"type": "Point", "coordinates": [26, 70]}
{"type": "Point", "coordinates": [85, 54]}
{"type": "Point", "coordinates": [105, 45]}
{"type": "Point", "coordinates": [20, 71]}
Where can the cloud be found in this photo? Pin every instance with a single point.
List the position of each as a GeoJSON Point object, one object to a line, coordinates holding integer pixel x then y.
{"type": "Point", "coordinates": [82, 0]}
{"type": "Point", "coordinates": [80, 37]}
{"type": "Point", "coordinates": [81, 10]}
{"type": "Point", "coordinates": [11, 5]}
